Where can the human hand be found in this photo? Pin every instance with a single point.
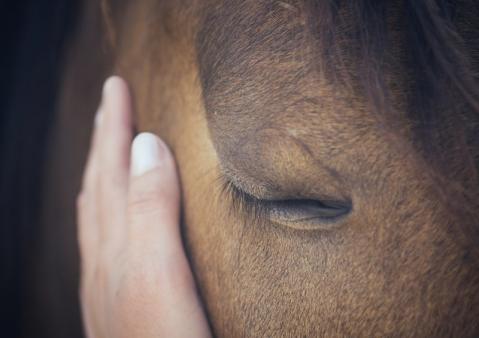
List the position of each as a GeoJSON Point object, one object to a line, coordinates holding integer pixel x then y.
{"type": "Point", "coordinates": [135, 277]}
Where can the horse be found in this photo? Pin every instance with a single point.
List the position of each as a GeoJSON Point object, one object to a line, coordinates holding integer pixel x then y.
{"type": "Point", "coordinates": [328, 155]}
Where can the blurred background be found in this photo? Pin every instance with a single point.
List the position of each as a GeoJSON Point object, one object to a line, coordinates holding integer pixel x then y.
{"type": "Point", "coordinates": [33, 35]}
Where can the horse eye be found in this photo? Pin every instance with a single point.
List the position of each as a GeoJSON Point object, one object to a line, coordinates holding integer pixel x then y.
{"type": "Point", "coordinates": [301, 214]}
{"type": "Point", "coordinates": [308, 214]}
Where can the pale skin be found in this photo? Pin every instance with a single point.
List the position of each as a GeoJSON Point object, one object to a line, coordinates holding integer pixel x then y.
{"type": "Point", "coordinates": [135, 278]}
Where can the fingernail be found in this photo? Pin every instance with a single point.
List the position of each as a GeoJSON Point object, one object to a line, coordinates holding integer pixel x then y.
{"type": "Point", "coordinates": [110, 85]}
{"type": "Point", "coordinates": [111, 90]}
{"type": "Point", "coordinates": [147, 153]}
{"type": "Point", "coordinates": [106, 88]}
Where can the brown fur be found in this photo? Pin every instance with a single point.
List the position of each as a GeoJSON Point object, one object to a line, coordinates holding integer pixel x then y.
{"type": "Point", "coordinates": [270, 97]}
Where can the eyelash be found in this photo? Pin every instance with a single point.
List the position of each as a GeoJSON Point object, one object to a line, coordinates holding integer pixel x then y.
{"type": "Point", "coordinates": [242, 202]}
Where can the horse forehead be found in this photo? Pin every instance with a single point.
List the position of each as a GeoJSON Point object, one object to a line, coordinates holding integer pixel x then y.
{"type": "Point", "coordinates": [259, 70]}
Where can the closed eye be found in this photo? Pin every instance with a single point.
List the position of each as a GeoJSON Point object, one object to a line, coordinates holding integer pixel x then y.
{"type": "Point", "coordinates": [303, 214]}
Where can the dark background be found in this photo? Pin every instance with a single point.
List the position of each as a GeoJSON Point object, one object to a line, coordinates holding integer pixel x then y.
{"type": "Point", "coordinates": [33, 35]}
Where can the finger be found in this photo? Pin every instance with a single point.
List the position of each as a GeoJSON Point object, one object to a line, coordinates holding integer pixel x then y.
{"type": "Point", "coordinates": [154, 195]}
{"type": "Point", "coordinates": [90, 173]}
{"type": "Point", "coordinates": [87, 229]}
{"type": "Point", "coordinates": [115, 134]}
{"type": "Point", "coordinates": [87, 222]}
{"type": "Point", "coordinates": [154, 238]}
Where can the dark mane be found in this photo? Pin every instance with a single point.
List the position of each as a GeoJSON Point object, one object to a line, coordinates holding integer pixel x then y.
{"type": "Point", "coordinates": [443, 68]}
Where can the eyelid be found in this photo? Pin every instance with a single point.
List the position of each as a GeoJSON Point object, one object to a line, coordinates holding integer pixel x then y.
{"type": "Point", "coordinates": [259, 209]}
